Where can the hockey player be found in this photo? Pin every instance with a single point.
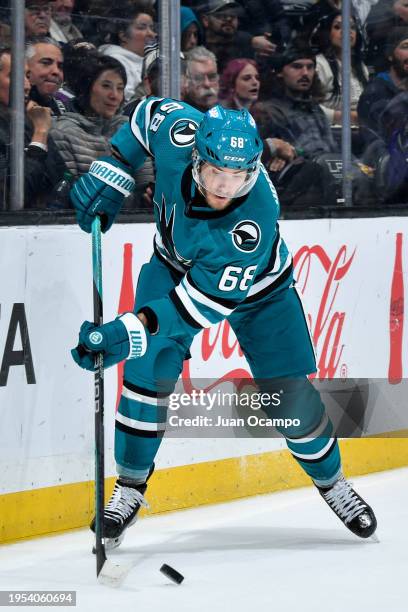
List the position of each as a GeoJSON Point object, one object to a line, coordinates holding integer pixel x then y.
{"type": "Point", "coordinates": [218, 254]}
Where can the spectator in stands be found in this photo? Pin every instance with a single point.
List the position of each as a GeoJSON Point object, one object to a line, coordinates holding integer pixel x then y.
{"type": "Point", "coordinates": [385, 85]}
{"type": "Point", "coordinates": [76, 53]}
{"type": "Point", "coordinates": [220, 20]}
{"type": "Point", "coordinates": [43, 164]}
{"type": "Point", "coordinates": [328, 39]}
{"type": "Point", "coordinates": [37, 18]}
{"type": "Point", "coordinates": [45, 63]}
{"type": "Point", "coordinates": [83, 134]}
{"type": "Point", "coordinates": [290, 111]}
{"type": "Point", "coordinates": [383, 18]}
{"type": "Point", "coordinates": [130, 29]}
{"type": "Point", "coordinates": [239, 83]}
{"type": "Point", "coordinates": [190, 29]}
{"type": "Point", "coordinates": [61, 27]}
{"type": "Point", "coordinates": [290, 103]}
{"type": "Point", "coordinates": [202, 79]}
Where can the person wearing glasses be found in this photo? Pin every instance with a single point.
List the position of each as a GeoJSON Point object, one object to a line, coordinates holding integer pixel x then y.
{"type": "Point", "coordinates": [202, 79]}
{"type": "Point", "coordinates": [37, 18]}
{"type": "Point", "coordinates": [127, 38]}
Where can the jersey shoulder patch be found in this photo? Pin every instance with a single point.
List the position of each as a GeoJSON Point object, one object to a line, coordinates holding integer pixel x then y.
{"type": "Point", "coordinates": [246, 236]}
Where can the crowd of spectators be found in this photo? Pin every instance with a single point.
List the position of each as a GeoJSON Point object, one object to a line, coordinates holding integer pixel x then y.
{"type": "Point", "coordinates": [89, 63]}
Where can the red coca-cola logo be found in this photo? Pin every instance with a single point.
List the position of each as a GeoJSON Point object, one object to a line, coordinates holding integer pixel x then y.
{"type": "Point", "coordinates": [327, 327]}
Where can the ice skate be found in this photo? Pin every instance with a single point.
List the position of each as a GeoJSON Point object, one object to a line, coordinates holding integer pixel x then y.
{"type": "Point", "coordinates": [351, 509]}
{"type": "Point", "coordinates": [122, 509]}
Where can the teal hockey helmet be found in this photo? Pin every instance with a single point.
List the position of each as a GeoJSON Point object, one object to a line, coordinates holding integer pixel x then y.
{"type": "Point", "coordinates": [227, 139]}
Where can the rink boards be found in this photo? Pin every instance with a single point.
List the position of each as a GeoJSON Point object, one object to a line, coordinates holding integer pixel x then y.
{"type": "Point", "coordinates": [353, 294]}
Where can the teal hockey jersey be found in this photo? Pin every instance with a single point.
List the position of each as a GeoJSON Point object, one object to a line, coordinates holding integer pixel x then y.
{"type": "Point", "coordinates": [221, 258]}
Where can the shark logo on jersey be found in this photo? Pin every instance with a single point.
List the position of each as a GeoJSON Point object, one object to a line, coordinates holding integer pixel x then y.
{"type": "Point", "coordinates": [182, 132]}
{"type": "Point", "coordinates": [246, 236]}
{"type": "Point", "coordinates": [166, 234]}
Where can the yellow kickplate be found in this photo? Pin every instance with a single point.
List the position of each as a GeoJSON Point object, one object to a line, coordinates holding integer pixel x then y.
{"type": "Point", "coordinates": [55, 509]}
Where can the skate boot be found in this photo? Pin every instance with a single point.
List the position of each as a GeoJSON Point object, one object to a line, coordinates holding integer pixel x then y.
{"type": "Point", "coordinates": [351, 509]}
{"type": "Point", "coordinates": [122, 510]}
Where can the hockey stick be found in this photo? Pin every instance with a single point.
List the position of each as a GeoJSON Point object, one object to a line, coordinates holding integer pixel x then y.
{"type": "Point", "coordinates": [107, 572]}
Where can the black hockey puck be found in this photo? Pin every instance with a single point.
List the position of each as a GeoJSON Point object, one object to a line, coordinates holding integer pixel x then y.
{"type": "Point", "coordinates": [171, 573]}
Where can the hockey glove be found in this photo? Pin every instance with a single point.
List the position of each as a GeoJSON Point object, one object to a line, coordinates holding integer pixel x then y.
{"type": "Point", "coordinates": [123, 338]}
{"type": "Point", "coordinates": [101, 191]}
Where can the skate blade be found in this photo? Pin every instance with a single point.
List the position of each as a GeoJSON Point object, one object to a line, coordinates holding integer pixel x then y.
{"type": "Point", "coordinates": [113, 574]}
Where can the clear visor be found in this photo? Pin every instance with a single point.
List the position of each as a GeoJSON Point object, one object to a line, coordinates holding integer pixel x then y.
{"type": "Point", "coordinates": [223, 182]}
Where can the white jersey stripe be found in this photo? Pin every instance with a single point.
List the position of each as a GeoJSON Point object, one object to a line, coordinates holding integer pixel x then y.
{"type": "Point", "coordinates": [143, 425]}
{"type": "Point", "coordinates": [144, 399]}
{"type": "Point", "coordinates": [205, 300]}
{"type": "Point", "coordinates": [191, 309]}
{"type": "Point", "coordinates": [317, 455]}
{"type": "Point", "coordinates": [268, 280]}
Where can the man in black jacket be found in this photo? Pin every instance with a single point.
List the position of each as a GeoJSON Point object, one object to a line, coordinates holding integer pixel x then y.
{"type": "Point", "coordinates": [289, 110]}
{"type": "Point", "coordinates": [44, 166]}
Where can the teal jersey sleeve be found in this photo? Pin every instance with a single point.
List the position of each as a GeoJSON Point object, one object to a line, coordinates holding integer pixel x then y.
{"type": "Point", "coordinates": [159, 127]}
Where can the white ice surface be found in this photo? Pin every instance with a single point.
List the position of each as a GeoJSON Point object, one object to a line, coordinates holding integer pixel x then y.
{"type": "Point", "coordinates": [284, 552]}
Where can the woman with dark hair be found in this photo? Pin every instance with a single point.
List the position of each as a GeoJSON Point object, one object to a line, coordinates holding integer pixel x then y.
{"type": "Point", "coordinates": [239, 84]}
{"type": "Point", "coordinates": [327, 37]}
{"type": "Point", "coordinates": [128, 29]}
{"type": "Point", "coordinates": [83, 134]}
